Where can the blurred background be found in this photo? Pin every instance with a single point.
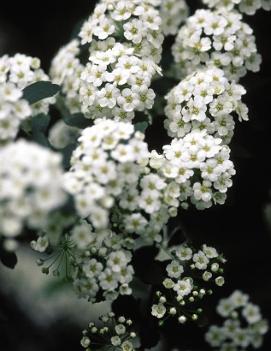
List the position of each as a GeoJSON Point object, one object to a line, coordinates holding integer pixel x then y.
{"type": "Point", "coordinates": [34, 313]}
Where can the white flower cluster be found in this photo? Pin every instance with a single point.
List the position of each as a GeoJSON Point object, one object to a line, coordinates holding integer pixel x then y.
{"type": "Point", "coordinates": [205, 100]}
{"type": "Point", "coordinates": [216, 38]}
{"type": "Point", "coordinates": [125, 40]}
{"type": "Point", "coordinates": [135, 22]}
{"type": "Point", "coordinates": [102, 263]}
{"type": "Point", "coordinates": [61, 134]}
{"type": "Point", "coordinates": [30, 186]}
{"type": "Point", "coordinates": [200, 167]}
{"type": "Point", "coordinates": [110, 181]}
{"type": "Point", "coordinates": [115, 333]}
{"type": "Point", "coordinates": [16, 73]}
{"type": "Point", "coordinates": [243, 327]}
{"type": "Point", "coordinates": [173, 13]}
{"type": "Point", "coordinates": [110, 158]}
{"type": "Point", "coordinates": [249, 7]}
{"type": "Point", "coordinates": [188, 276]}
{"type": "Point", "coordinates": [66, 71]}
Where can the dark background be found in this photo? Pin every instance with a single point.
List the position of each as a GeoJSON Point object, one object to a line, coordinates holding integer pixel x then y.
{"type": "Point", "coordinates": [239, 228]}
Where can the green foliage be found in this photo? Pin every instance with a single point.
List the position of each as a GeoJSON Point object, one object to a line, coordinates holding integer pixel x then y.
{"type": "Point", "coordinates": [39, 91]}
{"type": "Point", "coordinates": [141, 126]}
{"type": "Point", "coordinates": [76, 120]}
{"type": "Point", "coordinates": [39, 126]}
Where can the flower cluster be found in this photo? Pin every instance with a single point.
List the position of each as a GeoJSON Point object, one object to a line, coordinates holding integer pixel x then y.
{"type": "Point", "coordinates": [16, 73]}
{"type": "Point", "coordinates": [200, 167]}
{"type": "Point", "coordinates": [102, 268]}
{"type": "Point", "coordinates": [111, 182]}
{"type": "Point", "coordinates": [249, 7]}
{"type": "Point", "coordinates": [66, 71]}
{"type": "Point", "coordinates": [135, 22]}
{"type": "Point", "coordinates": [125, 44]}
{"type": "Point", "coordinates": [189, 275]}
{"type": "Point", "coordinates": [115, 333]}
{"type": "Point", "coordinates": [243, 327]}
{"type": "Point", "coordinates": [216, 38]}
{"type": "Point", "coordinates": [122, 41]}
{"type": "Point", "coordinates": [173, 13]}
{"type": "Point", "coordinates": [148, 206]}
{"type": "Point", "coordinates": [205, 100]}
{"type": "Point", "coordinates": [110, 157]}
{"type": "Point", "coordinates": [30, 186]}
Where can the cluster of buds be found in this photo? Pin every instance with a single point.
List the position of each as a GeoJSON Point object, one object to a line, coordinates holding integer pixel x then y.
{"type": "Point", "coordinates": [115, 333]}
{"type": "Point", "coordinates": [191, 276]}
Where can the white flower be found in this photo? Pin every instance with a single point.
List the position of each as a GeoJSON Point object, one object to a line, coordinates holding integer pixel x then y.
{"type": "Point", "coordinates": [184, 253]}
{"type": "Point", "coordinates": [215, 336]}
{"type": "Point", "coordinates": [107, 280]}
{"type": "Point", "coordinates": [40, 244]}
{"type": "Point", "coordinates": [82, 235]}
{"type": "Point", "coordinates": [104, 29]}
{"type": "Point", "coordinates": [128, 100]}
{"type": "Point", "coordinates": [209, 251]}
{"type": "Point", "coordinates": [239, 299]}
{"type": "Point", "coordinates": [133, 31]}
{"type": "Point", "coordinates": [173, 13]}
{"type": "Point", "coordinates": [202, 191]}
{"type": "Point", "coordinates": [201, 261]}
{"type": "Point", "coordinates": [251, 313]}
{"type": "Point", "coordinates": [183, 287]}
{"type": "Point", "coordinates": [149, 201]}
{"type": "Point", "coordinates": [174, 269]}
{"type": "Point", "coordinates": [122, 11]}
{"type": "Point", "coordinates": [108, 96]}
{"type": "Point", "coordinates": [92, 268]}
{"type": "Point", "coordinates": [116, 261]}
{"type": "Point", "coordinates": [158, 311]}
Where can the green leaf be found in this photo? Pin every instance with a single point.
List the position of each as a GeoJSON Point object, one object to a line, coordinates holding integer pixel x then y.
{"type": "Point", "coordinates": [39, 126]}
{"type": "Point", "coordinates": [67, 153]}
{"type": "Point", "coordinates": [141, 126]}
{"type": "Point", "coordinates": [40, 122]}
{"type": "Point", "coordinates": [39, 91]}
{"type": "Point", "coordinates": [76, 120]}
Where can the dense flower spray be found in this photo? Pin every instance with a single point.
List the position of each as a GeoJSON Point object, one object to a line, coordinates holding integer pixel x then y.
{"type": "Point", "coordinates": [82, 178]}
{"type": "Point", "coordinates": [16, 73]}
